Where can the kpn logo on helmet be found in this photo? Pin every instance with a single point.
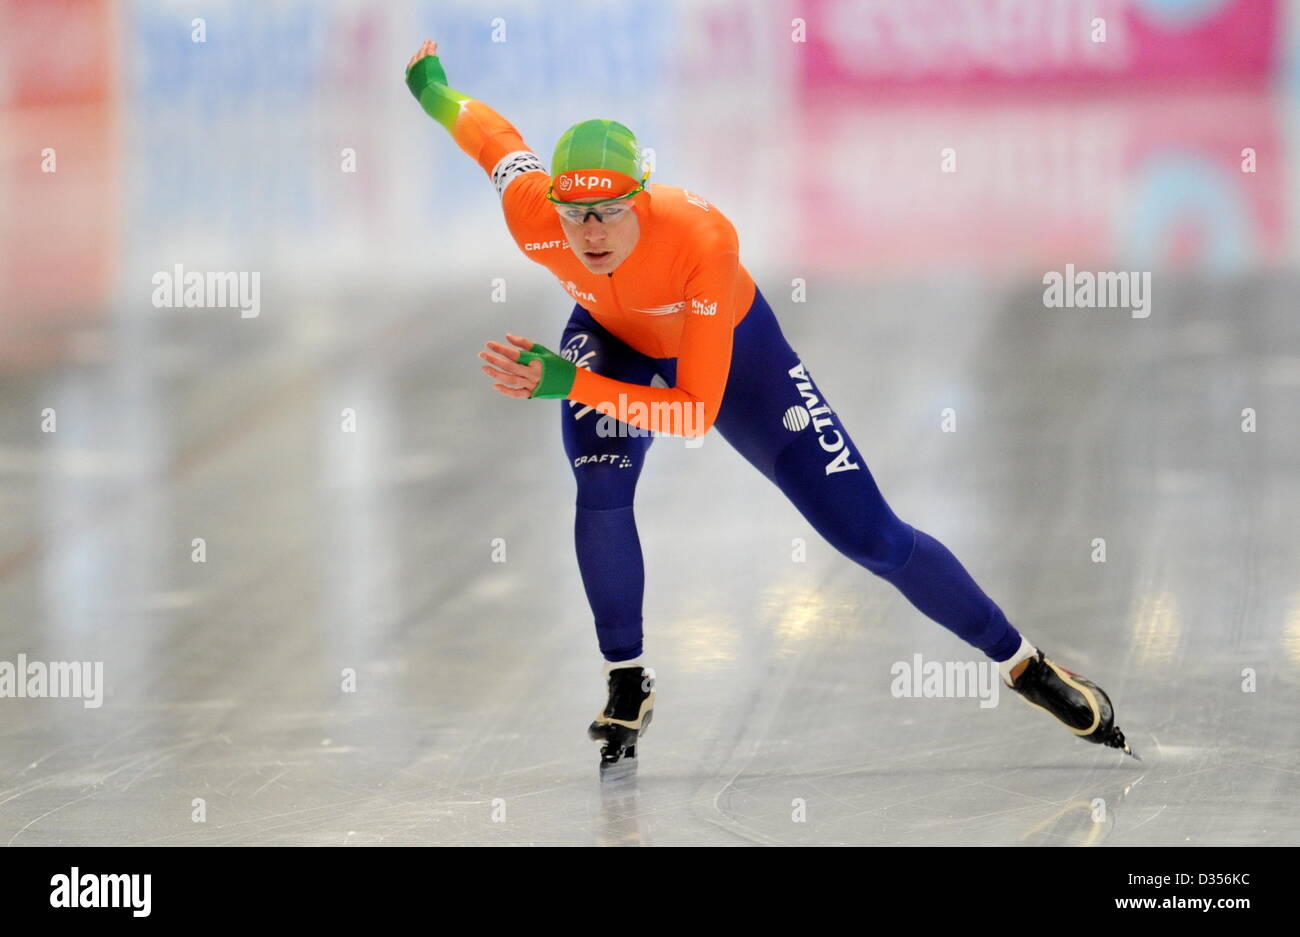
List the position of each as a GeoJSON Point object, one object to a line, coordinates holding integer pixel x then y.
{"type": "Point", "coordinates": [587, 182]}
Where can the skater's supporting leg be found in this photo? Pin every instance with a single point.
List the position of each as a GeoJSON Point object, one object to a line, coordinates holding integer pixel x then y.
{"type": "Point", "coordinates": [606, 469]}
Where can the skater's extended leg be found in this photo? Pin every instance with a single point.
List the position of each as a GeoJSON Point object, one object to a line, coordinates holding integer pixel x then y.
{"type": "Point", "coordinates": [852, 515]}
{"type": "Point", "coordinates": [777, 418]}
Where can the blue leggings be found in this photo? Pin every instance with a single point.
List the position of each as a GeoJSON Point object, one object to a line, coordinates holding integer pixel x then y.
{"type": "Point", "coordinates": [774, 416]}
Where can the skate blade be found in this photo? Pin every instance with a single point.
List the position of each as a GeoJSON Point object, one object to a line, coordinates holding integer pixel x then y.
{"type": "Point", "coordinates": [619, 770]}
{"type": "Point", "coordinates": [1117, 740]}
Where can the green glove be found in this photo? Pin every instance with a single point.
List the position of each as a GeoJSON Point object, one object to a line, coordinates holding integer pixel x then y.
{"type": "Point", "coordinates": [425, 72]}
{"type": "Point", "coordinates": [558, 374]}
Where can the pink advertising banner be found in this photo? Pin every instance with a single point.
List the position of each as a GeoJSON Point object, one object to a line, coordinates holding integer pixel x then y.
{"type": "Point", "coordinates": [1187, 180]}
{"type": "Point", "coordinates": [975, 44]}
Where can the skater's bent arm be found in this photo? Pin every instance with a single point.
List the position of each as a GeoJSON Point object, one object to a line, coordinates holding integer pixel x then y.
{"type": "Point", "coordinates": [703, 362]}
{"type": "Point", "coordinates": [487, 137]}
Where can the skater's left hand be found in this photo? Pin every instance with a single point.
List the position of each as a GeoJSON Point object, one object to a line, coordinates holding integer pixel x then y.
{"type": "Point", "coordinates": [512, 379]}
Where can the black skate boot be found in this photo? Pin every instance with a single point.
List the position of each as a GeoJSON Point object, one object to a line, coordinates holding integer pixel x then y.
{"type": "Point", "coordinates": [623, 721]}
{"type": "Point", "coordinates": [1076, 701]}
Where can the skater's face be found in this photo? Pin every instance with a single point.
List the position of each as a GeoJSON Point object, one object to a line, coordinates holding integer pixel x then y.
{"type": "Point", "coordinates": [603, 245]}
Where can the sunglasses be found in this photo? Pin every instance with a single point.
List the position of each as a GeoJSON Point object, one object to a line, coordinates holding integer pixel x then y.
{"type": "Point", "coordinates": [605, 210]}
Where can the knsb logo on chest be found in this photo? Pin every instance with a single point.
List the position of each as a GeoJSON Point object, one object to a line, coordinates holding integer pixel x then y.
{"type": "Point", "coordinates": [821, 415]}
{"type": "Point", "coordinates": [701, 308]}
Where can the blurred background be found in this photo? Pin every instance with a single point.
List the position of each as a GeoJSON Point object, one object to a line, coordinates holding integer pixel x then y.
{"type": "Point", "coordinates": [279, 138]}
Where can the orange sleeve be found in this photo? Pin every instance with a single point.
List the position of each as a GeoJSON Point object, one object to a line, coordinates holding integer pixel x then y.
{"type": "Point", "coordinates": [481, 132]}
{"type": "Point", "coordinates": [517, 172]}
{"type": "Point", "coordinates": [528, 215]}
{"type": "Point", "coordinates": [485, 135]}
{"type": "Point", "coordinates": [703, 359]}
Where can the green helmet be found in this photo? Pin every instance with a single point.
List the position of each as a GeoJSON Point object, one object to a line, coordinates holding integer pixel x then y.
{"type": "Point", "coordinates": [599, 144]}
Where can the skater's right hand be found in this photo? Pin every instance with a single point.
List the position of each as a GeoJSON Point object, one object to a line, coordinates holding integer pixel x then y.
{"type": "Point", "coordinates": [429, 48]}
{"type": "Point", "coordinates": [512, 378]}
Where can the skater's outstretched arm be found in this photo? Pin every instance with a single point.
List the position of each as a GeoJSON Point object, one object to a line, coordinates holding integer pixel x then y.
{"type": "Point", "coordinates": [487, 137]}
